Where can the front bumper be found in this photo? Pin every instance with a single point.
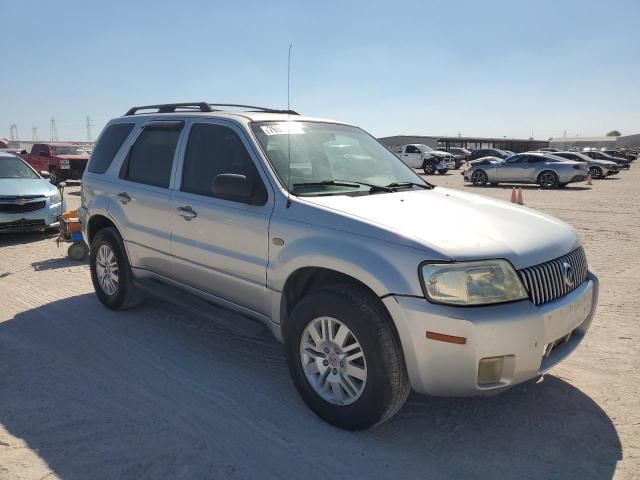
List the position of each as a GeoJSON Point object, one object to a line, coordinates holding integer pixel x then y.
{"type": "Point", "coordinates": [519, 331]}
{"type": "Point", "coordinates": [47, 217]}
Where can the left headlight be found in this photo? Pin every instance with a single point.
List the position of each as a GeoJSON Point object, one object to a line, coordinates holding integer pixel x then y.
{"type": "Point", "coordinates": [472, 283]}
{"type": "Point", "coordinates": [55, 198]}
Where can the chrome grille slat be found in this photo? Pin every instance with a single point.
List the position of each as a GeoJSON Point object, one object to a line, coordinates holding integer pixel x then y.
{"type": "Point", "coordinates": [545, 282]}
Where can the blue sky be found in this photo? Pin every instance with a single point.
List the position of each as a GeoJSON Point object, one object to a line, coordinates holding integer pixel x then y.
{"type": "Point", "coordinates": [491, 68]}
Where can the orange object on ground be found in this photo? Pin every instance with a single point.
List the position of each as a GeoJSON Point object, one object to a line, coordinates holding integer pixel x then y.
{"type": "Point", "coordinates": [520, 201]}
{"type": "Point", "coordinates": [514, 196]}
{"type": "Point", "coordinates": [589, 180]}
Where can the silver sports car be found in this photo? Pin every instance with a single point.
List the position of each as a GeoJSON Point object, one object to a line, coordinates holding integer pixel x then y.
{"type": "Point", "coordinates": [545, 169]}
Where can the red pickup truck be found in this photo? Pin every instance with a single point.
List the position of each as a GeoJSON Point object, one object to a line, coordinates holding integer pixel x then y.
{"type": "Point", "coordinates": [63, 161]}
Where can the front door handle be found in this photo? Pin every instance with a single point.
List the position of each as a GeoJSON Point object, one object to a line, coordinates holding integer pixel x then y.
{"type": "Point", "coordinates": [186, 212]}
{"type": "Point", "coordinates": [123, 197]}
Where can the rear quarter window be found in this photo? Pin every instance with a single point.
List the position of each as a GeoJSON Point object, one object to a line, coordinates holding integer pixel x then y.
{"type": "Point", "coordinates": [107, 147]}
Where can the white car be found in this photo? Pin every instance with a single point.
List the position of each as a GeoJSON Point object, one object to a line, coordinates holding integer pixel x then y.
{"type": "Point", "coordinates": [316, 229]}
{"type": "Point", "coordinates": [417, 155]}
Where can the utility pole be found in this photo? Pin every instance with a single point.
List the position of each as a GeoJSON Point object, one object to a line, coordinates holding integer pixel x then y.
{"type": "Point", "coordinates": [13, 132]}
{"type": "Point", "coordinates": [54, 130]}
{"type": "Point", "coordinates": [34, 133]}
{"type": "Point", "coordinates": [89, 125]}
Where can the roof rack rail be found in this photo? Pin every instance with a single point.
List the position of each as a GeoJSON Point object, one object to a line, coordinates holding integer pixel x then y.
{"type": "Point", "coordinates": [172, 107]}
{"type": "Point", "coordinates": [253, 107]}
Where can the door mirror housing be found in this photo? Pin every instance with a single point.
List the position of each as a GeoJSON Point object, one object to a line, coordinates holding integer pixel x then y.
{"type": "Point", "coordinates": [45, 174]}
{"type": "Point", "coordinates": [233, 187]}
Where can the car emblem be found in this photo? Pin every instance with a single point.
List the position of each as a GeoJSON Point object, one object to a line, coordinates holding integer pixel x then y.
{"type": "Point", "coordinates": [567, 274]}
{"type": "Point", "coordinates": [21, 201]}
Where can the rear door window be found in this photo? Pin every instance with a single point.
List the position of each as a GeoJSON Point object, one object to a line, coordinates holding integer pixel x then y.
{"type": "Point", "coordinates": [150, 159]}
{"type": "Point", "coordinates": [108, 145]}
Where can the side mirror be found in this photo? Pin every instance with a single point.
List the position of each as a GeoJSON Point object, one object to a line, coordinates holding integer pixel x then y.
{"type": "Point", "coordinates": [233, 186]}
{"type": "Point", "coordinates": [43, 153]}
{"type": "Point", "coordinates": [45, 174]}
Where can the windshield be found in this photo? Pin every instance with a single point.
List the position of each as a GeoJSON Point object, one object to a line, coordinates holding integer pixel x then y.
{"type": "Point", "coordinates": [425, 148]}
{"type": "Point", "coordinates": [67, 151]}
{"type": "Point", "coordinates": [325, 156]}
{"type": "Point", "coordinates": [15, 168]}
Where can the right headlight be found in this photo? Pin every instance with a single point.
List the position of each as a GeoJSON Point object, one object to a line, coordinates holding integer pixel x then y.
{"type": "Point", "coordinates": [472, 283]}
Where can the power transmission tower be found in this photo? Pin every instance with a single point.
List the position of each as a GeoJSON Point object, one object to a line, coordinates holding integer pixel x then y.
{"type": "Point", "coordinates": [54, 130]}
{"type": "Point", "coordinates": [13, 132]}
{"type": "Point", "coordinates": [89, 125]}
{"type": "Point", "coordinates": [34, 133]}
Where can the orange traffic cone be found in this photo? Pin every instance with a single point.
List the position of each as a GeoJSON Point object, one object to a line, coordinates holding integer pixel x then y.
{"type": "Point", "coordinates": [589, 180]}
{"type": "Point", "coordinates": [520, 202]}
{"type": "Point", "coordinates": [514, 196]}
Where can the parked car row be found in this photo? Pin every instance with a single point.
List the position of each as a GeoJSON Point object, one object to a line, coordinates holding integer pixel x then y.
{"type": "Point", "coordinates": [542, 167]}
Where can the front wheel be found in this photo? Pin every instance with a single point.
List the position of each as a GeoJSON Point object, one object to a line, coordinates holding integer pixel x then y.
{"type": "Point", "coordinates": [479, 178]}
{"type": "Point", "coordinates": [54, 178]}
{"type": "Point", "coordinates": [548, 179]}
{"type": "Point", "coordinates": [429, 168]}
{"type": "Point", "coordinates": [345, 358]}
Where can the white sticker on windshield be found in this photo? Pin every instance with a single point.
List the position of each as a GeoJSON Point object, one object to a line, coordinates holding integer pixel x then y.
{"type": "Point", "coordinates": [291, 128]}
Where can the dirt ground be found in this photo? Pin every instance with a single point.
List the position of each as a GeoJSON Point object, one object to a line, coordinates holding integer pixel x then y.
{"type": "Point", "coordinates": [185, 390]}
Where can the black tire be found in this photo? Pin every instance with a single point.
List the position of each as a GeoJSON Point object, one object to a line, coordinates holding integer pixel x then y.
{"type": "Point", "coordinates": [78, 251]}
{"type": "Point", "coordinates": [429, 168]}
{"type": "Point", "coordinates": [548, 179]}
{"type": "Point", "coordinates": [443, 171]}
{"type": "Point", "coordinates": [126, 294]}
{"type": "Point", "coordinates": [562, 185]}
{"type": "Point", "coordinates": [54, 177]}
{"type": "Point", "coordinates": [596, 172]}
{"type": "Point", "coordinates": [387, 385]}
{"type": "Point", "coordinates": [479, 178]}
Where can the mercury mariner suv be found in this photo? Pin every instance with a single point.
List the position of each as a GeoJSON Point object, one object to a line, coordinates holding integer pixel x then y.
{"type": "Point", "coordinates": [318, 230]}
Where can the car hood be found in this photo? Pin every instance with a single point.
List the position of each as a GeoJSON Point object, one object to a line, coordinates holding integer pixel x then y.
{"type": "Point", "coordinates": [459, 225]}
{"type": "Point", "coordinates": [438, 153]}
{"type": "Point", "coordinates": [13, 187]}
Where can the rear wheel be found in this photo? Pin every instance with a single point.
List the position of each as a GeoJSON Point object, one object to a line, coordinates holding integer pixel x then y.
{"type": "Point", "coordinates": [548, 179]}
{"type": "Point", "coordinates": [479, 178]}
{"type": "Point", "coordinates": [345, 357]}
{"type": "Point", "coordinates": [110, 271]}
{"type": "Point", "coordinates": [596, 172]}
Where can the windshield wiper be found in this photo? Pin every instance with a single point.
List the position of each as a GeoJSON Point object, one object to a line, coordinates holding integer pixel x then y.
{"type": "Point", "coordinates": [346, 183]}
{"type": "Point", "coordinates": [427, 186]}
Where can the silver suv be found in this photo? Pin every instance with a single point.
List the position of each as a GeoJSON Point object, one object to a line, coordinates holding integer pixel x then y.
{"type": "Point", "coordinates": [318, 230]}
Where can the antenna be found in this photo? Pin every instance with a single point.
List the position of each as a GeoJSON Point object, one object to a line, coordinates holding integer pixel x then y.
{"type": "Point", "coordinates": [289, 126]}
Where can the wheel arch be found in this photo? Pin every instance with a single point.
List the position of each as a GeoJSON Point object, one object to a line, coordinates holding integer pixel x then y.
{"type": "Point", "coordinates": [98, 222]}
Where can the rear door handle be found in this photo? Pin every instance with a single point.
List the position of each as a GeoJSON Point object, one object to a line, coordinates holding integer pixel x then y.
{"type": "Point", "coordinates": [186, 212]}
{"type": "Point", "coordinates": [123, 197]}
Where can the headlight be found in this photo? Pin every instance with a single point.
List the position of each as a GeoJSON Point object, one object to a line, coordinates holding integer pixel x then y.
{"type": "Point", "coordinates": [472, 283]}
{"type": "Point", "coordinates": [55, 198]}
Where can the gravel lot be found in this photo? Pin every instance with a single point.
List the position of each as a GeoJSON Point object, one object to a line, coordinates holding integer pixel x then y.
{"type": "Point", "coordinates": [184, 390]}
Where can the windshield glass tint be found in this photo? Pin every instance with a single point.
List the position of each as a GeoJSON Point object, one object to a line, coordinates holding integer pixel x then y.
{"type": "Point", "coordinates": [15, 168]}
{"type": "Point", "coordinates": [67, 151]}
{"type": "Point", "coordinates": [322, 152]}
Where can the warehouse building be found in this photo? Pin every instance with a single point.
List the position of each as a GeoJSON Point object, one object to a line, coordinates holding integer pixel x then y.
{"type": "Point", "coordinates": [471, 143]}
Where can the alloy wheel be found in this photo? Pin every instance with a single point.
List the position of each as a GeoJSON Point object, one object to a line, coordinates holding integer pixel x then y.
{"type": "Point", "coordinates": [478, 177]}
{"type": "Point", "coordinates": [333, 361]}
{"type": "Point", "coordinates": [595, 172]}
{"type": "Point", "coordinates": [548, 180]}
{"type": "Point", "coordinates": [107, 270]}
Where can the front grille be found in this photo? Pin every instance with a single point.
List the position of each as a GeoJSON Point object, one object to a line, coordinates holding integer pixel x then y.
{"type": "Point", "coordinates": [10, 206]}
{"type": "Point", "coordinates": [78, 165]}
{"type": "Point", "coordinates": [546, 282]}
{"type": "Point", "coordinates": [21, 225]}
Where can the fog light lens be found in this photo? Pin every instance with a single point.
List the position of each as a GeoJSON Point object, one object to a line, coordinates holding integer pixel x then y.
{"type": "Point", "coordinates": [490, 370]}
